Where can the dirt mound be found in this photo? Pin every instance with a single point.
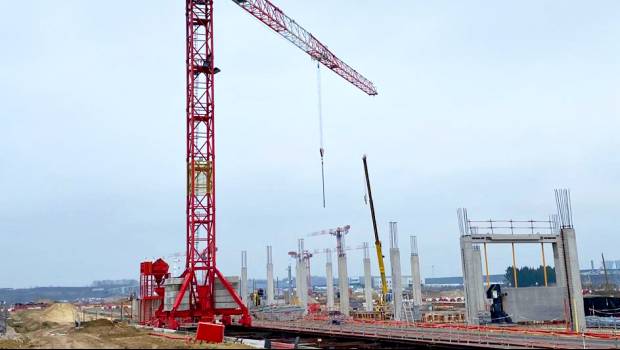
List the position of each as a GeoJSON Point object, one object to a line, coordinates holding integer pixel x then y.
{"type": "Point", "coordinates": [108, 329]}
{"type": "Point", "coordinates": [97, 324]}
{"type": "Point", "coordinates": [59, 313]}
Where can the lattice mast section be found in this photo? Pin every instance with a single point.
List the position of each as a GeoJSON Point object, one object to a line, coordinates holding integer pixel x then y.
{"type": "Point", "coordinates": [200, 148]}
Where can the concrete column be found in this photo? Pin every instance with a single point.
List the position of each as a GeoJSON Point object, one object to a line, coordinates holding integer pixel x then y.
{"type": "Point", "coordinates": [416, 287]}
{"type": "Point", "coordinates": [573, 279]}
{"type": "Point", "coordinates": [343, 282]}
{"type": "Point", "coordinates": [304, 285]}
{"type": "Point", "coordinates": [367, 279]}
{"type": "Point", "coordinates": [270, 294]}
{"type": "Point", "coordinates": [329, 280]}
{"type": "Point", "coordinates": [470, 281]}
{"type": "Point", "coordinates": [243, 285]}
{"type": "Point", "coordinates": [480, 292]}
{"type": "Point", "coordinates": [298, 279]}
{"type": "Point", "coordinates": [397, 277]}
{"type": "Point", "coordinates": [290, 287]}
{"type": "Point", "coordinates": [558, 262]}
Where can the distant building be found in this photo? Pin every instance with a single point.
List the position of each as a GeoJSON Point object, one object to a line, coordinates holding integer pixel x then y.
{"type": "Point", "coordinates": [457, 281]}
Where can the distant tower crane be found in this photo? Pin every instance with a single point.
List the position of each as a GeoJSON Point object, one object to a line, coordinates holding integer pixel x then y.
{"type": "Point", "coordinates": [195, 299]}
{"type": "Point", "coordinates": [343, 276]}
{"type": "Point", "coordinates": [339, 233]}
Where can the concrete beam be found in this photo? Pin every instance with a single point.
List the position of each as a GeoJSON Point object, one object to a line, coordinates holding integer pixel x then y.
{"type": "Point", "coordinates": [513, 238]}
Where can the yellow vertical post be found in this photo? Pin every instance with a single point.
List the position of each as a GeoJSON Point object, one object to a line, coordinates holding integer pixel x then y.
{"type": "Point", "coordinates": [514, 267]}
{"type": "Point", "coordinates": [486, 266]}
{"type": "Point", "coordinates": [542, 249]}
{"type": "Point", "coordinates": [575, 316]}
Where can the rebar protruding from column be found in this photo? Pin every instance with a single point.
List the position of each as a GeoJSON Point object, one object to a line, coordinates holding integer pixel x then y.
{"type": "Point", "coordinates": [393, 234]}
{"type": "Point", "coordinates": [300, 246]}
{"type": "Point", "coordinates": [463, 219]}
{"type": "Point", "coordinates": [414, 245]}
{"type": "Point", "coordinates": [565, 210]}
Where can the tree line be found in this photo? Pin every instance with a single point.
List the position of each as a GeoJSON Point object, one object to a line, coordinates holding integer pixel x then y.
{"type": "Point", "coordinates": [530, 276]}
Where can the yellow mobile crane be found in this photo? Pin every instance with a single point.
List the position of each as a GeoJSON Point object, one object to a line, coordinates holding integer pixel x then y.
{"type": "Point", "coordinates": [384, 287]}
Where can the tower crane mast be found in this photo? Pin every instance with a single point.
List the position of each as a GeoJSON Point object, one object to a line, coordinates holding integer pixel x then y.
{"type": "Point", "coordinates": [196, 297]}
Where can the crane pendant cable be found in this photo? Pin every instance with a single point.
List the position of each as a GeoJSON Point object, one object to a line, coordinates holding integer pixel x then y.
{"type": "Point", "coordinates": [320, 109]}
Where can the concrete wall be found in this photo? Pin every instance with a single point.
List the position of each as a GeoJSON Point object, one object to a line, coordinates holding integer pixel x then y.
{"type": "Point", "coordinates": [535, 303]}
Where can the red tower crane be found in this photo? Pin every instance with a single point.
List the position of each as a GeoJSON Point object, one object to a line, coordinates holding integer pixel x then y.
{"type": "Point", "coordinates": [197, 286]}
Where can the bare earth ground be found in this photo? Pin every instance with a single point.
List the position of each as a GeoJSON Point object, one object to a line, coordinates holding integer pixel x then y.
{"type": "Point", "coordinates": [34, 332]}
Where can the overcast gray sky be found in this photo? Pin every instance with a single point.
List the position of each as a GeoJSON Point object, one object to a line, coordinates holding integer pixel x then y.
{"type": "Point", "coordinates": [483, 104]}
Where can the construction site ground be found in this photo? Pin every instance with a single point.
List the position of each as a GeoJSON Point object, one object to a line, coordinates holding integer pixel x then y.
{"type": "Point", "coordinates": [55, 329]}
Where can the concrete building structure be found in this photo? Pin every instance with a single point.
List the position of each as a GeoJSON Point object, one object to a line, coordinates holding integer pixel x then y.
{"type": "Point", "coordinates": [416, 281]}
{"type": "Point", "coordinates": [561, 236]}
{"type": "Point", "coordinates": [397, 289]}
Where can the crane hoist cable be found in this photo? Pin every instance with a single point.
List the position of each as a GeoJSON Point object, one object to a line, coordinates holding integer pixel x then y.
{"type": "Point", "coordinates": [320, 109]}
